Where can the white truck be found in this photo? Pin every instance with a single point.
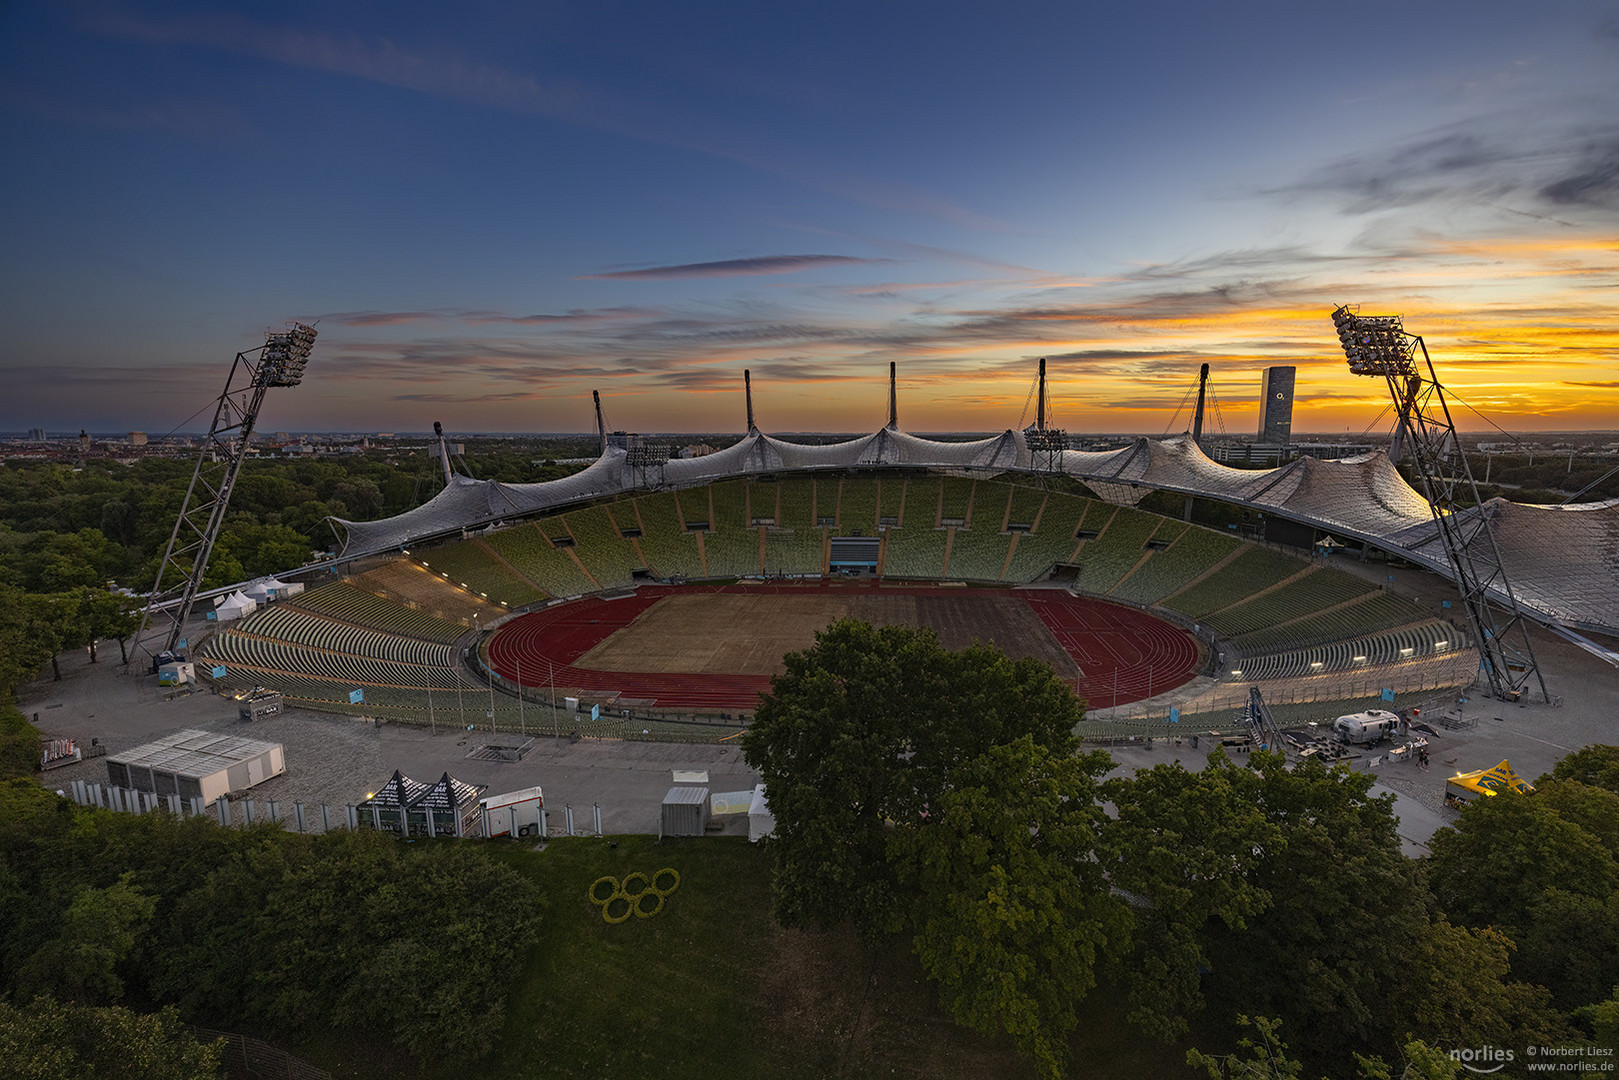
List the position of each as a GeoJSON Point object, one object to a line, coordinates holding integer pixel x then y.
{"type": "Point", "coordinates": [1366, 728]}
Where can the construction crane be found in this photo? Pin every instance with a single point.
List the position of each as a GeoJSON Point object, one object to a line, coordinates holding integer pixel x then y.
{"type": "Point", "coordinates": [1378, 345]}
{"type": "Point", "coordinates": [279, 361]}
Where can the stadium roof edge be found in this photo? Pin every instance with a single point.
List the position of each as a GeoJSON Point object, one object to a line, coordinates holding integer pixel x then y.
{"type": "Point", "coordinates": [1563, 561]}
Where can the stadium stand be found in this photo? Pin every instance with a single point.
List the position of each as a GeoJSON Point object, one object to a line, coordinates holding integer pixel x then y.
{"type": "Point", "coordinates": [1120, 545]}
{"type": "Point", "coordinates": [343, 601]}
{"type": "Point", "coordinates": [1026, 503]}
{"type": "Point", "coordinates": [1315, 591]}
{"type": "Point", "coordinates": [670, 550]}
{"type": "Point", "coordinates": [794, 551]}
{"type": "Point", "coordinates": [732, 545]}
{"type": "Point", "coordinates": [857, 506]}
{"type": "Point", "coordinates": [958, 495]}
{"type": "Point", "coordinates": [409, 583]}
{"type": "Point", "coordinates": [797, 503]}
{"type": "Point", "coordinates": [890, 497]}
{"type": "Point", "coordinates": [921, 504]}
{"type": "Point", "coordinates": [233, 647]}
{"type": "Point", "coordinates": [1188, 555]}
{"type": "Point", "coordinates": [1365, 615]}
{"type": "Point", "coordinates": [1417, 641]}
{"type": "Point", "coordinates": [977, 554]}
{"type": "Point", "coordinates": [526, 548]}
{"type": "Point", "coordinates": [607, 556]}
{"type": "Point", "coordinates": [469, 564]}
{"type": "Point", "coordinates": [763, 496]}
{"type": "Point", "coordinates": [915, 552]}
{"type": "Point", "coordinates": [1052, 540]}
{"type": "Point", "coordinates": [281, 623]}
{"type": "Point", "coordinates": [1253, 570]}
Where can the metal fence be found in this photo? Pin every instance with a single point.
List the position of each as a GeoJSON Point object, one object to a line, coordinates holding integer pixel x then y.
{"type": "Point", "coordinates": [255, 1059]}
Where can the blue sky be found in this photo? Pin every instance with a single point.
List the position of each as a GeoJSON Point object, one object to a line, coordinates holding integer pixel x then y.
{"type": "Point", "coordinates": [493, 209]}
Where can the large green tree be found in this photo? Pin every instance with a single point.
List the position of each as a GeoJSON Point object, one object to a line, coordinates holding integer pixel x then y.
{"type": "Point", "coordinates": [864, 730]}
{"type": "Point", "coordinates": [1347, 910]}
{"type": "Point", "coordinates": [1013, 912]}
{"type": "Point", "coordinates": [1541, 868]}
{"type": "Point", "coordinates": [1185, 846]}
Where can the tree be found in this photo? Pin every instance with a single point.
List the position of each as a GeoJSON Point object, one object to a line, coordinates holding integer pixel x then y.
{"type": "Point", "coordinates": [48, 1040]}
{"type": "Point", "coordinates": [31, 635]}
{"type": "Point", "coordinates": [864, 729]}
{"type": "Point", "coordinates": [1266, 1059]}
{"type": "Point", "coordinates": [1493, 865]}
{"type": "Point", "coordinates": [1013, 911]}
{"type": "Point", "coordinates": [1347, 910]}
{"type": "Point", "coordinates": [1595, 765]}
{"type": "Point", "coordinates": [1262, 1059]}
{"type": "Point", "coordinates": [1187, 846]}
{"type": "Point", "coordinates": [1461, 993]}
{"type": "Point", "coordinates": [97, 932]}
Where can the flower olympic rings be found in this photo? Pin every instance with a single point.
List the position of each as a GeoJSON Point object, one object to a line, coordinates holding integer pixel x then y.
{"type": "Point", "coordinates": [608, 892]}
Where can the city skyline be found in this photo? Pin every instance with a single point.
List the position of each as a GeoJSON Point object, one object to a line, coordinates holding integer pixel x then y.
{"type": "Point", "coordinates": [490, 214]}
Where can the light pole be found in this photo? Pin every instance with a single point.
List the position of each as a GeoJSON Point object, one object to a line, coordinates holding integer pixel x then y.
{"type": "Point", "coordinates": [432, 727]}
{"type": "Point", "coordinates": [488, 670]}
{"type": "Point", "coordinates": [522, 725]}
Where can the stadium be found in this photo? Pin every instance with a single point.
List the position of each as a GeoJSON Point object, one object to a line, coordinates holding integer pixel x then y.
{"type": "Point", "coordinates": [648, 596]}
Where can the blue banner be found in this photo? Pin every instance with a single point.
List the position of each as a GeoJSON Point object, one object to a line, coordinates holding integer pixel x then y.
{"type": "Point", "coordinates": [1174, 715]}
{"type": "Point", "coordinates": [1388, 695]}
{"type": "Point", "coordinates": [356, 697]}
{"type": "Point", "coordinates": [219, 671]}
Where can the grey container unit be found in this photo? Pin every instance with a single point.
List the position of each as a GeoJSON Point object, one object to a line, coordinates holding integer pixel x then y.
{"type": "Point", "coordinates": [194, 763]}
{"type": "Point", "coordinates": [685, 811]}
{"type": "Point", "coordinates": [257, 706]}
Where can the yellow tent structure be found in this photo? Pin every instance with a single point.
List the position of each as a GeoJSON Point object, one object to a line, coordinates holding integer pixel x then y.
{"type": "Point", "coordinates": [1465, 787]}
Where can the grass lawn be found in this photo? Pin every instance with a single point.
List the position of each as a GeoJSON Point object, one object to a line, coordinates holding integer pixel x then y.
{"type": "Point", "coordinates": [712, 986]}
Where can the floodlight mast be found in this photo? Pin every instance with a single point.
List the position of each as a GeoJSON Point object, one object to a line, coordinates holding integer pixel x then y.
{"type": "Point", "coordinates": [1046, 444]}
{"type": "Point", "coordinates": [1380, 346]}
{"type": "Point", "coordinates": [280, 361]}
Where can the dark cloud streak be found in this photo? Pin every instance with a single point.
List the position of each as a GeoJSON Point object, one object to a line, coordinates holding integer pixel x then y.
{"type": "Point", "coordinates": [756, 266]}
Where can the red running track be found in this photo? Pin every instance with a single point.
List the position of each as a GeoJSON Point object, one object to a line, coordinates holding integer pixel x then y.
{"type": "Point", "coordinates": [1124, 654]}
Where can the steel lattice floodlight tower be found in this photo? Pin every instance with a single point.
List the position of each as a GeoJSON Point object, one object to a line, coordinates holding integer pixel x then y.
{"type": "Point", "coordinates": [1045, 444]}
{"type": "Point", "coordinates": [1378, 345]}
{"type": "Point", "coordinates": [646, 459]}
{"type": "Point", "coordinates": [278, 362]}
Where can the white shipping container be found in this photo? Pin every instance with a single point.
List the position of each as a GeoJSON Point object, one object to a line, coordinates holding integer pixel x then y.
{"type": "Point", "coordinates": [516, 813]}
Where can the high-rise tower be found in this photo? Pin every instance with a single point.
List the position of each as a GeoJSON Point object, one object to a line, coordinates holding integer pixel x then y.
{"type": "Point", "coordinates": [1276, 405]}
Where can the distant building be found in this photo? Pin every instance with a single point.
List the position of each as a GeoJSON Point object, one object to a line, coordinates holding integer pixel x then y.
{"type": "Point", "coordinates": [137, 438]}
{"type": "Point", "coordinates": [36, 434]}
{"type": "Point", "coordinates": [1276, 405]}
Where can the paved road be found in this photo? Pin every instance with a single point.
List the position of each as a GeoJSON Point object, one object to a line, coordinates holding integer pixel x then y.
{"type": "Point", "coordinates": [339, 760]}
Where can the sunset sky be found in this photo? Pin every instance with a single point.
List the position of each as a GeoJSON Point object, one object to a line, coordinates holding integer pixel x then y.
{"type": "Point", "coordinates": [492, 209]}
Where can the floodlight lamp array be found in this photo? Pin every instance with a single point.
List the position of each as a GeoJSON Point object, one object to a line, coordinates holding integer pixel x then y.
{"type": "Point", "coordinates": [285, 354]}
{"type": "Point", "coordinates": [640, 452]}
{"type": "Point", "coordinates": [1046, 440]}
{"type": "Point", "coordinates": [1374, 344]}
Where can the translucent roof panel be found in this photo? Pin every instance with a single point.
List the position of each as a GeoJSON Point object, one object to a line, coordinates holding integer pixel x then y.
{"type": "Point", "coordinates": [1561, 560]}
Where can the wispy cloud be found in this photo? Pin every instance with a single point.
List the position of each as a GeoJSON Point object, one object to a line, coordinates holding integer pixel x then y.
{"type": "Point", "coordinates": [378, 318]}
{"type": "Point", "coordinates": [1494, 161]}
{"type": "Point", "coordinates": [449, 75]}
{"type": "Point", "coordinates": [752, 267]}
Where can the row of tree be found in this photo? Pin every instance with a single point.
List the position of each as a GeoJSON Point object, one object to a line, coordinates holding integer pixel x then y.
{"type": "Point", "coordinates": [283, 933]}
{"type": "Point", "coordinates": [63, 527]}
{"type": "Point", "coordinates": [942, 797]}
